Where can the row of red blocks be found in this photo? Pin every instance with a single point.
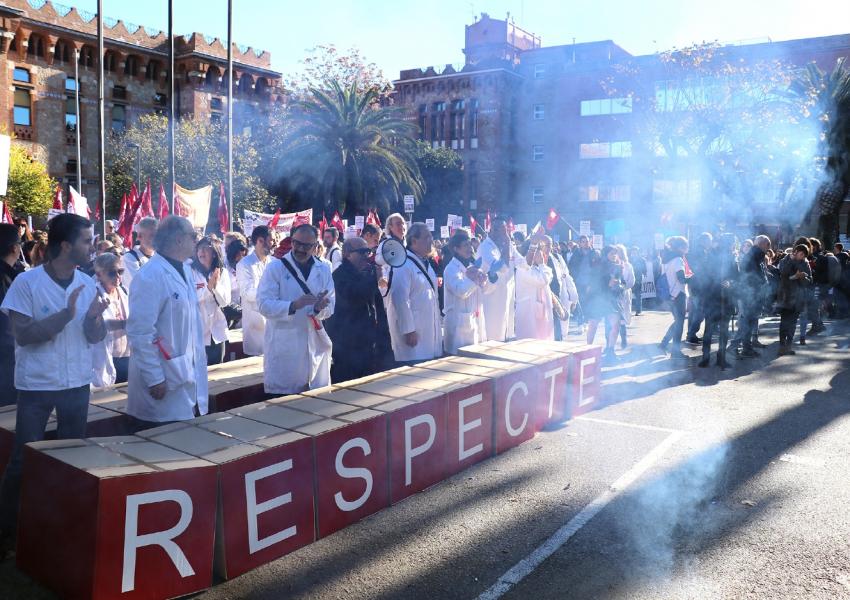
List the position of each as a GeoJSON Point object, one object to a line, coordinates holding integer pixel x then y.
{"type": "Point", "coordinates": [155, 515]}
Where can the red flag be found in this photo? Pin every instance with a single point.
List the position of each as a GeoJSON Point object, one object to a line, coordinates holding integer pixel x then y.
{"type": "Point", "coordinates": [273, 223]}
{"type": "Point", "coordinates": [163, 203]}
{"type": "Point", "coordinates": [126, 227]}
{"type": "Point", "coordinates": [147, 205]}
{"type": "Point", "coordinates": [223, 215]}
{"type": "Point", "coordinates": [552, 219]}
{"type": "Point", "coordinates": [97, 214]}
{"type": "Point", "coordinates": [487, 222]}
{"type": "Point", "coordinates": [336, 221]}
{"type": "Point", "coordinates": [323, 224]}
{"type": "Point", "coordinates": [372, 218]}
{"type": "Point", "coordinates": [57, 198]}
{"type": "Point", "coordinates": [123, 212]}
{"type": "Point", "coordinates": [510, 226]}
{"type": "Point", "coordinates": [472, 223]}
{"type": "Point", "coordinates": [7, 216]}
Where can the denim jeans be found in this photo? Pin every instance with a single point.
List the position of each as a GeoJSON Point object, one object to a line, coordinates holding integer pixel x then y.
{"type": "Point", "coordinates": [34, 408]}
{"type": "Point", "coordinates": [748, 323]}
{"type": "Point", "coordinates": [674, 332]}
{"type": "Point", "coordinates": [696, 316]}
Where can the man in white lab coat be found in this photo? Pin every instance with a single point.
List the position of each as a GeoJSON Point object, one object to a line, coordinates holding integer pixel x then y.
{"type": "Point", "coordinates": [136, 258]}
{"type": "Point", "coordinates": [168, 364]}
{"type": "Point", "coordinates": [249, 271]}
{"type": "Point", "coordinates": [464, 286]}
{"type": "Point", "coordinates": [296, 294]}
{"type": "Point", "coordinates": [413, 306]}
{"type": "Point", "coordinates": [499, 259]}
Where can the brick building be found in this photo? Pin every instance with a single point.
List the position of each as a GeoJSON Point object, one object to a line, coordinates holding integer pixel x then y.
{"type": "Point", "coordinates": [547, 132]}
{"type": "Point", "coordinates": [39, 41]}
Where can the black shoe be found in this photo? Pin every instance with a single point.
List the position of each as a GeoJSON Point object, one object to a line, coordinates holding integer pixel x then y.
{"type": "Point", "coordinates": [758, 344]}
{"type": "Point", "coordinates": [748, 353]}
{"type": "Point", "coordinates": [703, 363]}
{"type": "Point", "coordinates": [676, 353]}
{"type": "Point", "coordinates": [802, 341]}
{"type": "Point", "coordinates": [694, 340]}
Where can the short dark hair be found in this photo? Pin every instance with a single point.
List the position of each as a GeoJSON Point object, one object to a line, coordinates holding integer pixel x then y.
{"type": "Point", "coordinates": [333, 231]}
{"type": "Point", "coordinates": [9, 238]}
{"type": "Point", "coordinates": [233, 248]}
{"type": "Point", "coordinates": [370, 229]}
{"type": "Point", "coordinates": [64, 228]}
{"type": "Point", "coordinates": [260, 232]}
{"type": "Point", "coordinates": [839, 246]}
{"type": "Point", "coordinates": [802, 248]}
{"type": "Point", "coordinates": [311, 228]}
{"type": "Point", "coordinates": [460, 236]}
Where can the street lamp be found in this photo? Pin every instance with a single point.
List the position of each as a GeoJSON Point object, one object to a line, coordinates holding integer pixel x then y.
{"type": "Point", "coordinates": [138, 166]}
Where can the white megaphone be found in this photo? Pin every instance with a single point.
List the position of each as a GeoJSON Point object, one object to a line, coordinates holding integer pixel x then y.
{"type": "Point", "coordinates": [393, 253]}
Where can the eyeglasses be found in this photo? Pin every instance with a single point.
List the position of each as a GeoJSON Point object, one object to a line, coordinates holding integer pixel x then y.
{"type": "Point", "coordinates": [303, 246]}
{"type": "Point", "coordinates": [365, 251]}
{"type": "Point", "coordinates": [115, 273]}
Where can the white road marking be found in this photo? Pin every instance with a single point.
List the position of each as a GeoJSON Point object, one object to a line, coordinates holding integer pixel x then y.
{"type": "Point", "coordinates": [527, 565]}
{"type": "Point", "coordinates": [627, 424]}
{"type": "Point", "coordinates": [801, 460]}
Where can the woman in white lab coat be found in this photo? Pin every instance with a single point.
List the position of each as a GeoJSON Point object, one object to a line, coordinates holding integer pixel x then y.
{"type": "Point", "coordinates": [112, 362]}
{"type": "Point", "coordinates": [463, 293]}
{"type": "Point", "coordinates": [534, 316]}
{"type": "Point", "coordinates": [212, 285]}
{"type": "Point", "coordinates": [566, 290]}
{"type": "Point", "coordinates": [168, 366]}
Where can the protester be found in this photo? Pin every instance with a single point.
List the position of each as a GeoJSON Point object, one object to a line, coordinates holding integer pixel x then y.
{"type": "Point", "coordinates": [753, 284]}
{"type": "Point", "coordinates": [354, 327]}
{"type": "Point", "coordinates": [137, 257]}
{"type": "Point", "coordinates": [56, 315]}
{"type": "Point", "coordinates": [582, 265]}
{"type": "Point", "coordinates": [114, 363]}
{"type": "Point", "coordinates": [35, 250]}
{"type": "Point", "coordinates": [168, 367]}
{"type": "Point", "coordinates": [23, 229]}
{"type": "Point", "coordinates": [10, 267]}
{"type": "Point", "coordinates": [249, 272]}
{"type": "Point", "coordinates": [719, 278]}
{"type": "Point", "coordinates": [104, 246]}
{"type": "Point", "coordinates": [332, 251]}
{"type": "Point", "coordinates": [625, 304]}
{"type": "Point", "coordinates": [641, 268]}
{"type": "Point", "coordinates": [396, 229]}
{"type": "Point", "coordinates": [412, 302]}
{"type": "Point", "coordinates": [499, 259]}
{"type": "Point", "coordinates": [371, 234]}
{"type": "Point", "coordinates": [295, 295]}
{"type": "Point", "coordinates": [234, 252]}
{"type": "Point", "coordinates": [795, 276]}
{"type": "Point", "coordinates": [534, 298]}
{"type": "Point", "coordinates": [565, 294]}
{"type": "Point", "coordinates": [604, 300]}
{"type": "Point", "coordinates": [698, 259]}
{"type": "Point", "coordinates": [464, 284]}
{"type": "Point", "coordinates": [675, 272]}
{"type": "Point", "coordinates": [212, 285]}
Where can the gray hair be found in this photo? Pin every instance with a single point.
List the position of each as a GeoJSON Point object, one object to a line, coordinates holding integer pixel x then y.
{"type": "Point", "coordinates": [170, 228]}
{"type": "Point", "coordinates": [390, 220]}
{"type": "Point", "coordinates": [416, 231]}
{"type": "Point", "coordinates": [351, 244]}
{"type": "Point", "coordinates": [761, 239]}
{"type": "Point", "coordinates": [148, 223]}
{"type": "Point", "coordinates": [106, 261]}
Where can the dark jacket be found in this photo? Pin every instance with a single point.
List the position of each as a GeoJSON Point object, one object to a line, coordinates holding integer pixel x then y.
{"type": "Point", "coordinates": [354, 326]}
{"type": "Point", "coordinates": [7, 275]}
{"type": "Point", "coordinates": [719, 301]}
{"type": "Point", "coordinates": [582, 264]}
{"type": "Point", "coordinates": [791, 294]}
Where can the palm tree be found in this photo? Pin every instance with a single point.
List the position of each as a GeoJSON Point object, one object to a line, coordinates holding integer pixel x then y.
{"type": "Point", "coordinates": [825, 99]}
{"type": "Point", "coordinates": [348, 153]}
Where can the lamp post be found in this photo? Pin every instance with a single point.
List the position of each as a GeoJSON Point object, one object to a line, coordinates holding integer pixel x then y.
{"type": "Point", "coordinates": [77, 125]}
{"type": "Point", "coordinates": [100, 116]}
{"type": "Point", "coordinates": [230, 109]}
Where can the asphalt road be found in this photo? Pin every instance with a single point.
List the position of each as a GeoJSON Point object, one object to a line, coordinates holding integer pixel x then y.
{"type": "Point", "coordinates": [689, 483]}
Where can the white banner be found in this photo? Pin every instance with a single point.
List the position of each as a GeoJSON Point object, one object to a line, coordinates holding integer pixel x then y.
{"type": "Point", "coordinates": [251, 219]}
{"type": "Point", "coordinates": [444, 231]}
{"type": "Point", "coordinates": [430, 224]}
{"type": "Point", "coordinates": [194, 205]}
{"type": "Point", "coordinates": [647, 288]}
{"type": "Point", "coordinates": [584, 228]}
{"type": "Point", "coordinates": [598, 242]}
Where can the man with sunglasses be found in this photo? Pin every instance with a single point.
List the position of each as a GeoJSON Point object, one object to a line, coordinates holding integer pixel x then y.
{"type": "Point", "coordinates": [296, 294]}
{"type": "Point", "coordinates": [354, 328]}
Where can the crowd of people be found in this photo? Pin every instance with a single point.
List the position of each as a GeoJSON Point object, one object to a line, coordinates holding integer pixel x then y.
{"type": "Point", "coordinates": [80, 312]}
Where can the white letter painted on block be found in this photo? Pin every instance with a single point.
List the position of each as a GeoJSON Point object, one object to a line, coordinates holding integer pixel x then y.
{"type": "Point", "coordinates": [255, 544]}
{"type": "Point", "coordinates": [349, 472]}
{"type": "Point", "coordinates": [519, 385]}
{"type": "Point", "coordinates": [463, 427]}
{"type": "Point", "coordinates": [583, 381]}
{"type": "Point", "coordinates": [551, 376]}
{"type": "Point", "coordinates": [411, 453]}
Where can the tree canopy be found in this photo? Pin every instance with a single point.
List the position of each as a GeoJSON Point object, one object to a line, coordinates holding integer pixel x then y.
{"type": "Point", "coordinates": [30, 189]}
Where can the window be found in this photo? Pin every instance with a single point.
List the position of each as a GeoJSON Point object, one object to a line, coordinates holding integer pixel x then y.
{"type": "Point", "coordinates": [70, 84]}
{"type": "Point", "coordinates": [109, 62]}
{"type": "Point", "coordinates": [537, 153]}
{"type": "Point", "coordinates": [605, 193]}
{"type": "Point", "coordinates": [119, 92]}
{"type": "Point", "coordinates": [131, 66]}
{"type": "Point", "coordinates": [473, 118]}
{"type": "Point", "coordinates": [71, 166]}
{"type": "Point", "coordinates": [539, 112]}
{"type": "Point", "coordinates": [537, 195]}
{"type": "Point", "coordinates": [21, 75]}
{"type": "Point", "coordinates": [605, 150]}
{"type": "Point", "coordinates": [119, 118]}
{"type": "Point", "coordinates": [539, 71]}
{"type": "Point", "coordinates": [35, 46]}
{"type": "Point", "coordinates": [688, 191]}
{"type": "Point", "coordinates": [215, 103]}
{"type": "Point", "coordinates": [61, 53]}
{"type": "Point", "coordinates": [87, 57]}
{"type": "Point", "coordinates": [70, 114]}
{"type": "Point", "coordinates": [472, 185]}
{"type": "Point", "coordinates": [606, 106]}
{"type": "Point", "coordinates": [152, 70]}
{"type": "Point", "coordinates": [23, 107]}
{"type": "Point", "coordinates": [422, 120]}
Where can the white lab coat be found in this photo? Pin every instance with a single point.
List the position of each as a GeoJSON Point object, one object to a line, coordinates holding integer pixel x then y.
{"type": "Point", "coordinates": [249, 271]}
{"type": "Point", "coordinates": [463, 302]}
{"type": "Point", "coordinates": [500, 297]}
{"type": "Point", "coordinates": [211, 303]}
{"type": "Point", "coordinates": [626, 298]}
{"type": "Point", "coordinates": [412, 304]}
{"type": "Point", "coordinates": [133, 261]}
{"type": "Point", "coordinates": [534, 318]}
{"type": "Point", "coordinates": [235, 295]}
{"type": "Point", "coordinates": [164, 306]}
{"type": "Point", "coordinates": [569, 293]}
{"type": "Point", "coordinates": [297, 357]}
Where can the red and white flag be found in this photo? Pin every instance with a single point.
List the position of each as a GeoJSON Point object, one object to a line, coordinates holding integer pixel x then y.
{"type": "Point", "coordinates": [223, 215]}
{"type": "Point", "coordinates": [323, 224]}
{"type": "Point", "coordinates": [163, 203]}
{"type": "Point", "coordinates": [273, 223]}
{"type": "Point", "coordinates": [472, 224]}
{"type": "Point", "coordinates": [57, 199]}
{"type": "Point", "coordinates": [373, 218]}
{"type": "Point", "coordinates": [336, 221]}
{"type": "Point", "coordinates": [78, 204]}
{"type": "Point", "coordinates": [552, 219]}
{"type": "Point", "coordinates": [6, 216]}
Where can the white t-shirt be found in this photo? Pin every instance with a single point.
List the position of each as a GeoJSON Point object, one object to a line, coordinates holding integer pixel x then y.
{"type": "Point", "coordinates": [133, 260]}
{"type": "Point", "coordinates": [65, 362]}
{"type": "Point", "coordinates": [670, 269]}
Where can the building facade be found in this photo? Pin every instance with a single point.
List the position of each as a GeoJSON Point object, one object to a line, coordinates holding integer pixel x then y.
{"type": "Point", "coordinates": [40, 41]}
{"type": "Point", "coordinates": [557, 133]}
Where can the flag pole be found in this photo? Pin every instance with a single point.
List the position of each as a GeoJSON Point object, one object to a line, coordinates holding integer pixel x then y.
{"type": "Point", "coordinates": [230, 109]}
{"type": "Point", "coordinates": [100, 115]}
{"type": "Point", "coordinates": [77, 125]}
{"type": "Point", "coordinates": [171, 103]}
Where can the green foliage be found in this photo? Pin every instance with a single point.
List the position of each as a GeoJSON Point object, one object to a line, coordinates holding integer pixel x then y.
{"type": "Point", "coordinates": [346, 153]}
{"type": "Point", "coordinates": [30, 189]}
{"type": "Point", "coordinates": [200, 159]}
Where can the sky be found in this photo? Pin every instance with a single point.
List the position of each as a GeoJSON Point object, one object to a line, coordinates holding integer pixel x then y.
{"type": "Point", "coordinates": [399, 34]}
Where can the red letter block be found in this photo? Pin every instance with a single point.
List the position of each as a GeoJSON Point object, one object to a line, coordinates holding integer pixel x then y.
{"type": "Point", "coordinates": [265, 486]}
{"type": "Point", "coordinates": [96, 523]}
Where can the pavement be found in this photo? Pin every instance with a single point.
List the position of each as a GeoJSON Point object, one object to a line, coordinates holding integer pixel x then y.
{"type": "Point", "coordinates": [688, 483]}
